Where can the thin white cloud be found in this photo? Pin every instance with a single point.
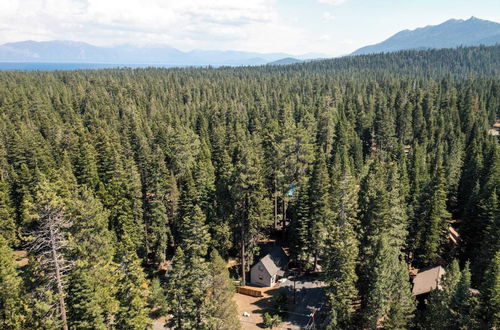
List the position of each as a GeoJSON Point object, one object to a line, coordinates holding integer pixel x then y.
{"type": "Point", "coordinates": [186, 24]}
{"type": "Point", "coordinates": [327, 16]}
{"type": "Point", "coordinates": [333, 2]}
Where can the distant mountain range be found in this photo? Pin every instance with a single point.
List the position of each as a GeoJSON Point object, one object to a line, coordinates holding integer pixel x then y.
{"type": "Point", "coordinates": [450, 34]}
{"type": "Point", "coordinates": [80, 52]}
{"type": "Point", "coordinates": [285, 61]}
{"type": "Point", "coordinates": [49, 55]}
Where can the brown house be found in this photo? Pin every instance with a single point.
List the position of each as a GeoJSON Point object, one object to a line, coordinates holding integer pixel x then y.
{"type": "Point", "coordinates": [427, 280]}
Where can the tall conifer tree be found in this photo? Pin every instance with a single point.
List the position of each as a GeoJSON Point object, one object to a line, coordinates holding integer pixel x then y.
{"type": "Point", "coordinates": [13, 308]}
{"type": "Point", "coordinates": [341, 248]}
{"type": "Point", "coordinates": [218, 305]}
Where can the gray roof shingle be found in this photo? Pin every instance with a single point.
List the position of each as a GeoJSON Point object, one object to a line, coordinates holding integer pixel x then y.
{"type": "Point", "coordinates": [269, 265]}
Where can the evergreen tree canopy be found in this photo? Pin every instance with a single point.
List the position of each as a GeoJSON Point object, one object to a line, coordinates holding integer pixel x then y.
{"type": "Point", "coordinates": [363, 167]}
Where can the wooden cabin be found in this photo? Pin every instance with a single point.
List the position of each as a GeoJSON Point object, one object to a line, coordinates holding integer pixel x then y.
{"type": "Point", "coordinates": [270, 268]}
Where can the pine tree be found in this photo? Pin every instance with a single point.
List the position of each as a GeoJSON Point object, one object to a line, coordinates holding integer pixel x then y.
{"type": "Point", "coordinates": [195, 236]}
{"type": "Point", "coordinates": [273, 151]}
{"type": "Point", "coordinates": [134, 229]}
{"type": "Point", "coordinates": [299, 150]}
{"type": "Point", "coordinates": [161, 207]}
{"type": "Point", "coordinates": [326, 128]}
{"type": "Point", "coordinates": [384, 124]}
{"type": "Point", "coordinates": [23, 194]}
{"type": "Point", "coordinates": [490, 294]}
{"type": "Point", "coordinates": [158, 230]}
{"type": "Point", "coordinates": [437, 313]}
{"type": "Point", "coordinates": [172, 197]}
{"type": "Point", "coordinates": [195, 243]}
{"type": "Point", "coordinates": [388, 299]}
{"type": "Point", "coordinates": [187, 280]}
{"type": "Point", "coordinates": [320, 206]}
{"type": "Point", "coordinates": [434, 223]}
{"type": "Point", "coordinates": [93, 280]}
{"type": "Point", "coordinates": [8, 228]}
{"type": "Point", "coordinates": [85, 165]}
{"type": "Point", "coordinates": [122, 196]}
{"type": "Point", "coordinates": [221, 230]}
{"type": "Point", "coordinates": [220, 309]}
{"type": "Point", "coordinates": [471, 174]}
{"type": "Point", "coordinates": [64, 177]}
{"type": "Point", "coordinates": [341, 249]}
{"type": "Point", "coordinates": [462, 303]}
{"type": "Point", "coordinates": [403, 303]}
{"type": "Point", "coordinates": [182, 148]}
{"type": "Point", "coordinates": [107, 158]}
{"type": "Point", "coordinates": [398, 219]}
{"type": "Point", "coordinates": [379, 215]}
{"type": "Point", "coordinates": [419, 179]}
{"type": "Point", "coordinates": [453, 165]}
{"type": "Point", "coordinates": [204, 174]}
{"type": "Point", "coordinates": [453, 306]}
{"type": "Point", "coordinates": [91, 238]}
{"type": "Point", "coordinates": [13, 308]}
{"type": "Point", "coordinates": [132, 295]}
{"type": "Point", "coordinates": [181, 303]}
{"type": "Point", "coordinates": [188, 196]}
{"type": "Point", "coordinates": [48, 242]}
{"type": "Point", "coordinates": [489, 216]}
{"type": "Point", "coordinates": [157, 299]}
{"type": "Point", "coordinates": [92, 296]}
{"type": "Point", "coordinates": [301, 228]}
{"type": "Point", "coordinates": [251, 207]}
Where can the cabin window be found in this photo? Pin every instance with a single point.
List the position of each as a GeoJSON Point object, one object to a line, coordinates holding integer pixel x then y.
{"type": "Point", "coordinates": [261, 277]}
{"type": "Point", "coordinates": [261, 268]}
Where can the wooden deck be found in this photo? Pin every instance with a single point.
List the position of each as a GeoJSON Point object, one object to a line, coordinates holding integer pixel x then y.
{"type": "Point", "coordinates": [254, 291]}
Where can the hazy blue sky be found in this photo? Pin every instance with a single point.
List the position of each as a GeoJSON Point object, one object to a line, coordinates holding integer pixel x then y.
{"type": "Point", "coordinates": [295, 26]}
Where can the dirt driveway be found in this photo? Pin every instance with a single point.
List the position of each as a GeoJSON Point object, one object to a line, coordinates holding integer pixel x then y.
{"type": "Point", "coordinates": [310, 294]}
{"type": "Point", "coordinates": [255, 306]}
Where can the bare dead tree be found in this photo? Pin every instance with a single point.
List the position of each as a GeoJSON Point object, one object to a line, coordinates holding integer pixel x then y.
{"type": "Point", "coordinates": [47, 245]}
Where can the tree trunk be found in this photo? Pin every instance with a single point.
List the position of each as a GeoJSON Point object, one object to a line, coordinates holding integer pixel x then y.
{"type": "Point", "coordinates": [60, 291]}
{"type": "Point", "coordinates": [243, 239]}
{"type": "Point", "coordinates": [179, 319]}
{"type": "Point", "coordinates": [315, 260]}
{"type": "Point", "coordinates": [275, 204]}
{"type": "Point", "coordinates": [284, 213]}
{"type": "Point", "coordinates": [283, 220]}
{"type": "Point", "coordinates": [243, 275]}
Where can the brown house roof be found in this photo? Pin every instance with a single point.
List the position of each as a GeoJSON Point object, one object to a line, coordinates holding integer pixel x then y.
{"type": "Point", "coordinates": [427, 280]}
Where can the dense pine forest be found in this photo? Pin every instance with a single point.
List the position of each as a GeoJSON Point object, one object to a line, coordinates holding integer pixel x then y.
{"type": "Point", "coordinates": [129, 189]}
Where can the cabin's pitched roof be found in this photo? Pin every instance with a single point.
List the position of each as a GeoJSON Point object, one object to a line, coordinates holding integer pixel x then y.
{"type": "Point", "coordinates": [279, 257]}
{"type": "Point", "coordinates": [274, 260]}
{"type": "Point", "coordinates": [269, 265]}
{"type": "Point", "coordinates": [427, 280]}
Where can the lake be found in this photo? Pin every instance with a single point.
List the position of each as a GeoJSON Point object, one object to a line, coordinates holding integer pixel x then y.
{"type": "Point", "coordinates": [44, 66]}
